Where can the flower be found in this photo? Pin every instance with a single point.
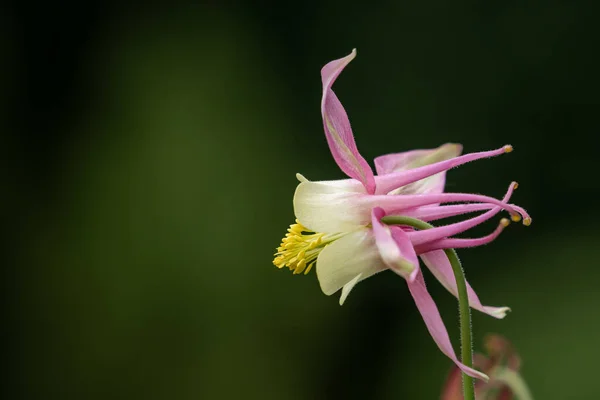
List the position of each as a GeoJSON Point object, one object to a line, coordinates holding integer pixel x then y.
{"type": "Point", "coordinates": [339, 229]}
{"type": "Point", "coordinates": [502, 364]}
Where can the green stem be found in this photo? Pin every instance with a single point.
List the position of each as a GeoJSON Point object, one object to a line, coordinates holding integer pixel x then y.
{"type": "Point", "coordinates": [463, 302]}
{"type": "Point", "coordinates": [465, 322]}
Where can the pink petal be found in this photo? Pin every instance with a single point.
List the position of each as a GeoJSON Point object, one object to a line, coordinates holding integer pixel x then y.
{"type": "Point", "coordinates": [435, 325]}
{"type": "Point", "coordinates": [452, 243]}
{"type": "Point", "coordinates": [397, 204]}
{"type": "Point", "coordinates": [394, 246]}
{"type": "Point", "coordinates": [433, 213]}
{"type": "Point", "coordinates": [337, 127]}
{"type": "Point", "coordinates": [406, 248]}
{"type": "Point", "coordinates": [430, 235]}
{"type": "Point", "coordinates": [414, 159]}
{"type": "Point", "coordinates": [388, 182]}
{"type": "Point", "coordinates": [439, 265]}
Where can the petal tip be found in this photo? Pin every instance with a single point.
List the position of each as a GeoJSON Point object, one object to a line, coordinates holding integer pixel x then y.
{"type": "Point", "coordinates": [405, 269]}
{"type": "Point", "coordinates": [452, 149]}
{"type": "Point", "coordinates": [497, 312]}
{"type": "Point", "coordinates": [301, 178]}
{"type": "Point", "coordinates": [348, 287]}
{"type": "Point", "coordinates": [413, 274]}
{"type": "Point", "coordinates": [474, 373]}
{"type": "Point", "coordinates": [484, 377]}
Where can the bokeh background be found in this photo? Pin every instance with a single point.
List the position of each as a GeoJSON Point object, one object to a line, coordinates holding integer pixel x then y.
{"type": "Point", "coordinates": [149, 154]}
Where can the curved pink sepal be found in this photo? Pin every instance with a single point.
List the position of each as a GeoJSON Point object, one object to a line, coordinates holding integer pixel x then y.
{"type": "Point", "coordinates": [440, 267]}
{"type": "Point", "coordinates": [435, 324]}
{"type": "Point", "coordinates": [337, 127]}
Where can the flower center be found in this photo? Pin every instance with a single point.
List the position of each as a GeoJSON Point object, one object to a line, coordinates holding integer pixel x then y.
{"type": "Point", "coordinates": [300, 248]}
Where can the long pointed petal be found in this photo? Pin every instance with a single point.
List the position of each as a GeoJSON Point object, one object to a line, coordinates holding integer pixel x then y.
{"type": "Point", "coordinates": [387, 183]}
{"type": "Point", "coordinates": [433, 213]}
{"type": "Point", "coordinates": [397, 204]}
{"type": "Point", "coordinates": [337, 127]}
{"type": "Point", "coordinates": [435, 324]}
{"type": "Point", "coordinates": [430, 235]}
{"type": "Point", "coordinates": [440, 267]}
{"type": "Point", "coordinates": [452, 243]}
{"type": "Point", "coordinates": [394, 246]}
{"type": "Point", "coordinates": [397, 162]}
{"type": "Point", "coordinates": [341, 261]}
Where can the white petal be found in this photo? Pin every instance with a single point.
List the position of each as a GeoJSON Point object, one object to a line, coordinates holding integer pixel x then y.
{"type": "Point", "coordinates": [331, 206]}
{"type": "Point", "coordinates": [348, 287]}
{"type": "Point", "coordinates": [301, 178]}
{"type": "Point", "coordinates": [340, 262]}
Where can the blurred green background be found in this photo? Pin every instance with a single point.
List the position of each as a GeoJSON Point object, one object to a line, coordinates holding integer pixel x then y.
{"type": "Point", "coordinates": [149, 155]}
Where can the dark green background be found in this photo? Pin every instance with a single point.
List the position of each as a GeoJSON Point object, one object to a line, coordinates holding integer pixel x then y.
{"type": "Point", "coordinates": [149, 155]}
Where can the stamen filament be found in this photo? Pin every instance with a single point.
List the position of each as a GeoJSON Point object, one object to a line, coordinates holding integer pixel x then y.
{"type": "Point", "coordinates": [300, 248]}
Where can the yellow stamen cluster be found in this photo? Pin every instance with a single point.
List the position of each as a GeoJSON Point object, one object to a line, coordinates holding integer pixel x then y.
{"type": "Point", "coordinates": [300, 248]}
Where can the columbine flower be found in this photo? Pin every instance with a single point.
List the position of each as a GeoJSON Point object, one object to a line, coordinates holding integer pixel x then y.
{"type": "Point", "coordinates": [338, 226]}
{"type": "Point", "coordinates": [502, 364]}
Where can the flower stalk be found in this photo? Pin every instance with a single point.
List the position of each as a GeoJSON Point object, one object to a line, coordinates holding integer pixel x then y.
{"type": "Point", "coordinates": [466, 335]}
